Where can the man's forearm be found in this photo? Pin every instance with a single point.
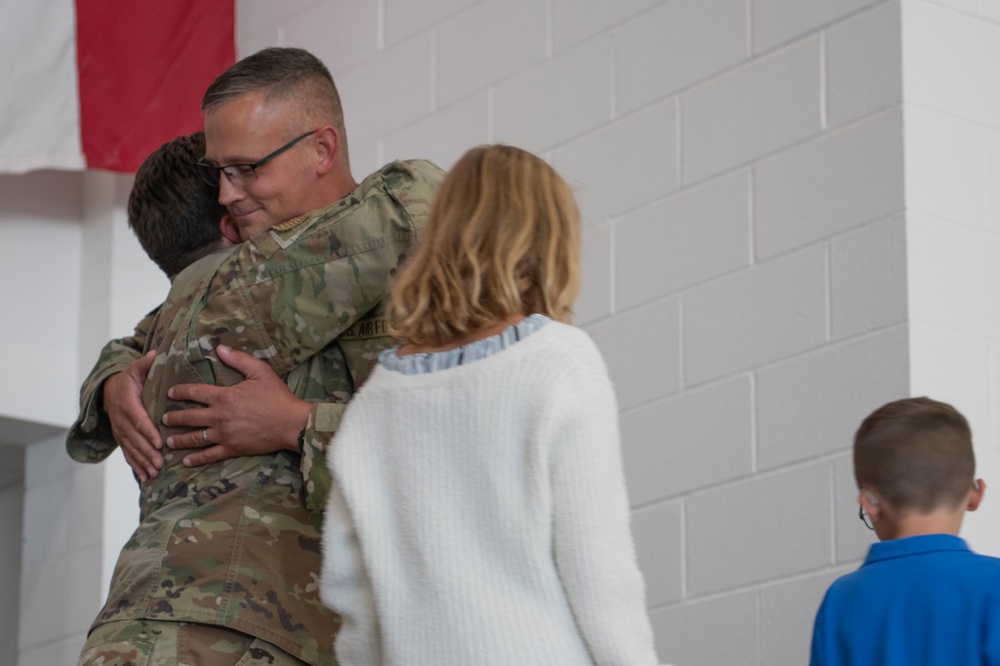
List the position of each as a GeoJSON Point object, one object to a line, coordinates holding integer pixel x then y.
{"type": "Point", "coordinates": [90, 437]}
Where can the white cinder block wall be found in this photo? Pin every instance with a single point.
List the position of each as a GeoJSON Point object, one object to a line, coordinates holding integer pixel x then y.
{"type": "Point", "coordinates": [750, 172]}
{"type": "Point", "coordinates": [741, 169]}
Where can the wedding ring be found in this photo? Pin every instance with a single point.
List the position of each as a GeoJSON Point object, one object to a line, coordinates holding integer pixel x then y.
{"type": "Point", "coordinates": [204, 436]}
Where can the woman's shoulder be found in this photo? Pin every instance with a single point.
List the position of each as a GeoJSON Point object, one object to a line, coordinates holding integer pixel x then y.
{"type": "Point", "coordinates": [571, 339]}
{"type": "Point", "coordinates": [571, 349]}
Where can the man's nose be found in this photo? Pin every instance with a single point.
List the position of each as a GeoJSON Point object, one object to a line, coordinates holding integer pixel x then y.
{"type": "Point", "coordinates": [229, 193]}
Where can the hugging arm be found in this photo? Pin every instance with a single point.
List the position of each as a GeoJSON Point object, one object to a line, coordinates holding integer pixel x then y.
{"type": "Point", "coordinates": [111, 409]}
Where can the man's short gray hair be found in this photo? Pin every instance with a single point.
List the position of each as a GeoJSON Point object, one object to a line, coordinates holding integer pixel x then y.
{"type": "Point", "coordinates": [281, 74]}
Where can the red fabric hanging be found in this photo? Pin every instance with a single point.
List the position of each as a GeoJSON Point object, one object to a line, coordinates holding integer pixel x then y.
{"type": "Point", "coordinates": [143, 67]}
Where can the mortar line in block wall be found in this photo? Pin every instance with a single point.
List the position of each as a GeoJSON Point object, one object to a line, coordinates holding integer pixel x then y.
{"type": "Point", "coordinates": [743, 479]}
{"type": "Point", "coordinates": [804, 353]}
{"type": "Point", "coordinates": [687, 390]}
{"type": "Point", "coordinates": [757, 586]}
{"type": "Point", "coordinates": [831, 237]}
{"type": "Point", "coordinates": [815, 31]}
{"type": "Point", "coordinates": [819, 134]}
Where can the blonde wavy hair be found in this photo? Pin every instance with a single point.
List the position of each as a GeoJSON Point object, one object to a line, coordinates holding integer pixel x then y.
{"type": "Point", "coordinates": [503, 238]}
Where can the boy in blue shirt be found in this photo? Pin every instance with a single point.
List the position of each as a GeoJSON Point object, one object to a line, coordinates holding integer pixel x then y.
{"type": "Point", "coordinates": [921, 597]}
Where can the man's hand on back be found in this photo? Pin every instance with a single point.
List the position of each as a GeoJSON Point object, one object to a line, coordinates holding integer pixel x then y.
{"type": "Point", "coordinates": [257, 416]}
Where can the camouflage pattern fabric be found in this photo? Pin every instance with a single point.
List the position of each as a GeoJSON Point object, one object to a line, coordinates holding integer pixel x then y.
{"type": "Point", "coordinates": [236, 543]}
{"type": "Point", "coordinates": [153, 643]}
{"type": "Point", "coordinates": [90, 439]}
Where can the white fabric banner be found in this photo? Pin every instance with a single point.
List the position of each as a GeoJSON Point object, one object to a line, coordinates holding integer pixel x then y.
{"type": "Point", "coordinates": [39, 100]}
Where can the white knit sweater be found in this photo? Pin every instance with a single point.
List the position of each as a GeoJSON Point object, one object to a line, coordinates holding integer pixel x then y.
{"type": "Point", "coordinates": [479, 516]}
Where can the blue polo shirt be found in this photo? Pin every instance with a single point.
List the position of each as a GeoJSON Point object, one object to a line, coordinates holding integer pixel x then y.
{"type": "Point", "coordinates": [923, 600]}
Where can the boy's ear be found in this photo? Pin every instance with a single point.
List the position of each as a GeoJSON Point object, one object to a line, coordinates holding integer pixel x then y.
{"type": "Point", "coordinates": [976, 495]}
{"type": "Point", "coordinates": [871, 504]}
{"type": "Point", "coordinates": [229, 230]}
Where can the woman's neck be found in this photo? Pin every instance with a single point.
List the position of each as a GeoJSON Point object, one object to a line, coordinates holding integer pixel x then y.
{"type": "Point", "coordinates": [471, 336]}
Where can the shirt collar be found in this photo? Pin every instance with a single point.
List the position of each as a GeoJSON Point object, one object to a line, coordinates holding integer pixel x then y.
{"type": "Point", "coordinates": [915, 545]}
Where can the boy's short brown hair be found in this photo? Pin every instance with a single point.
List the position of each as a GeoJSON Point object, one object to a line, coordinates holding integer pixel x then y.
{"type": "Point", "coordinates": [173, 212]}
{"type": "Point", "coordinates": [916, 453]}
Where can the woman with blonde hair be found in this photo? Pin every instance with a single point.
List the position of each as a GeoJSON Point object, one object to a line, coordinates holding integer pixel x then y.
{"type": "Point", "coordinates": [478, 512]}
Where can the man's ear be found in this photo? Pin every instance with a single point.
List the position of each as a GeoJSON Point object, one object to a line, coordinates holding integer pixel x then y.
{"type": "Point", "coordinates": [230, 233]}
{"type": "Point", "coordinates": [327, 144]}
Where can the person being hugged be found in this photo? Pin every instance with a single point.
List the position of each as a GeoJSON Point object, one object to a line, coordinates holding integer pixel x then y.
{"type": "Point", "coordinates": [478, 512]}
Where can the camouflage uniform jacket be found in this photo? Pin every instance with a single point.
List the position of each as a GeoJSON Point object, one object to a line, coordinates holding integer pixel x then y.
{"type": "Point", "coordinates": [235, 543]}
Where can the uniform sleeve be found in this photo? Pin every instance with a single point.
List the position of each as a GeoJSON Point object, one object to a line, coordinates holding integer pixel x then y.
{"type": "Point", "coordinates": [89, 439]}
{"type": "Point", "coordinates": [324, 381]}
{"type": "Point", "coordinates": [593, 545]}
{"type": "Point", "coordinates": [327, 279]}
{"type": "Point", "coordinates": [341, 298]}
{"type": "Point", "coordinates": [324, 420]}
{"type": "Point", "coordinates": [357, 285]}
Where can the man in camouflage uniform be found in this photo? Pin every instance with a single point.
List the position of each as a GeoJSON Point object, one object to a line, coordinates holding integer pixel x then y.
{"type": "Point", "coordinates": [232, 543]}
